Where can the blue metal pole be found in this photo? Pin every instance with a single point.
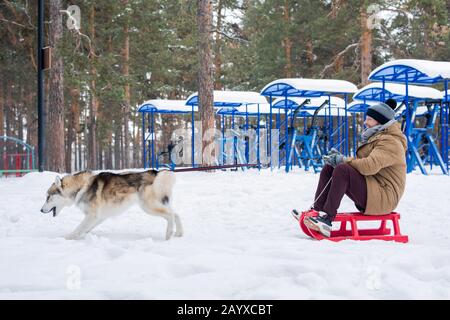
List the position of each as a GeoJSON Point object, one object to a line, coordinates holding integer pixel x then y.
{"type": "Point", "coordinates": [278, 126]}
{"type": "Point", "coordinates": [407, 129]}
{"type": "Point", "coordinates": [192, 138]}
{"type": "Point", "coordinates": [445, 131]}
{"type": "Point", "coordinates": [269, 128]}
{"type": "Point", "coordinates": [258, 160]}
{"type": "Point", "coordinates": [153, 138]}
{"type": "Point", "coordinates": [330, 125]}
{"type": "Point", "coordinates": [267, 134]}
{"type": "Point", "coordinates": [354, 133]}
{"type": "Point", "coordinates": [247, 144]}
{"type": "Point", "coordinates": [234, 138]}
{"type": "Point", "coordinates": [223, 138]}
{"type": "Point", "coordinates": [286, 135]}
{"type": "Point", "coordinates": [347, 138]}
{"type": "Point", "coordinates": [143, 139]}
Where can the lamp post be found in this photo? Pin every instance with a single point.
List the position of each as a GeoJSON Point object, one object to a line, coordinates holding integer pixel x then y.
{"type": "Point", "coordinates": [40, 88]}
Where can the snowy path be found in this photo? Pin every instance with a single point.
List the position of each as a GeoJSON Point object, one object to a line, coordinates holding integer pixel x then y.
{"type": "Point", "coordinates": [240, 243]}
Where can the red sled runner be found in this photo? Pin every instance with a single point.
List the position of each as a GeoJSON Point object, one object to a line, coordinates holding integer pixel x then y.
{"type": "Point", "coordinates": [351, 218]}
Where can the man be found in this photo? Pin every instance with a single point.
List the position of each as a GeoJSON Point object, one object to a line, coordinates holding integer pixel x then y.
{"type": "Point", "coordinates": [374, 180]}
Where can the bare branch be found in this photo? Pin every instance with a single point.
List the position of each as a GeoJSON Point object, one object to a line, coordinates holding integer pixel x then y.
{"type": "Point", "coordinates": [14, 23]}
{"type": "Point", "coordinates": [228, 36]}
{"type": "Point", "coordinates": [336, 58]}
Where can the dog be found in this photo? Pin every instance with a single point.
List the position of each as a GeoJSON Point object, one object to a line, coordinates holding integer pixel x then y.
{"type": "Point", "coordinates": [106, 194]}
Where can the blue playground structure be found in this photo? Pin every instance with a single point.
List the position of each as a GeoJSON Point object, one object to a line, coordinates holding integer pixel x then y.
{"type": "Point", "coordinates": [309, 88]}
{"type": "Point", "coordinates": [421, 72]}
{"type": "Point", "coordinates": [151, 157]}
{"type": "Point", "coordinates": [246, 142]}
{"type": "Point", "coordinates": [237, 103]}
{"type": "Point", "coordinates": [311, 116]}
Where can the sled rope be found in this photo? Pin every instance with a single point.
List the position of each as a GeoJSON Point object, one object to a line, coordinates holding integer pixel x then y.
{"type": "Point", "coordinates": [321, 192]}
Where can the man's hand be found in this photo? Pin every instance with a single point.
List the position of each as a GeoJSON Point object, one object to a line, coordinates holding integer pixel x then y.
{"type": "Point", "coordinates": [334, 157]}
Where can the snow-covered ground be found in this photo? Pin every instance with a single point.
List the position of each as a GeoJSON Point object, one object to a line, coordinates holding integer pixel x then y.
{"type": "Point", "coordinates": [240, 243]}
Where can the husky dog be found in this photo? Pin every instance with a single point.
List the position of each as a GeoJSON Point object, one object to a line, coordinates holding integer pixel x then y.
{"type": "Point", "coordinates": [106, 194]}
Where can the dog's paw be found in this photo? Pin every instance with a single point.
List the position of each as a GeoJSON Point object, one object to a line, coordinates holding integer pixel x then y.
{"type": "Point", "coordinates": [168, 235]}
{"type": "Point", "coordinates": [179, 234]}
{"type": "Point", "coordinates": [71, 236]}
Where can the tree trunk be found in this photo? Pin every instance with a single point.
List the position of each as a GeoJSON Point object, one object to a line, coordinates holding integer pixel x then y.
{"type": "Point", "coordinates": [218, 53]}
{"type": "Point", "coordinates": [8, 121]}
{"type": "Point", "coordinates": [127, 101]}
{"type": "Point", "coordinates": [73, 126]}
{"type": "Point", "coordinates": [366, 47]}
{"type": "Point", "coordinates": [287, 42]}
{"type": "Point", "coordinates": [109, 154]}
{"type": "Point", "coordinates": [31, 119]}
{"type": "Point", "coordinates": [55, 133]}
{"type": "Point", "coordinates": [117, 134]}
{"type": "Point", "coordinates": [205, 79]}
{"type": "Point", "coordinates": [2, 114]}
{"type": "Point", "coordinates": [93, 143]}
{"type": "Point", "coordinates": [309, 52]}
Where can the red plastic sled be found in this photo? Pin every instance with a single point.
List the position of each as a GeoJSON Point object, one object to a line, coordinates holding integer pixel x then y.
{"type": "Point", "coordinates": [351, 218]}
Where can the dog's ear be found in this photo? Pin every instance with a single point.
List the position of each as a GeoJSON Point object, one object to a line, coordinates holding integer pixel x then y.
{"type": "Point", "coordinates": [58, 182]}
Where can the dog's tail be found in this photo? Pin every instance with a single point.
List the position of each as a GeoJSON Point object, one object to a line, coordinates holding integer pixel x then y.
{"type": "Point", "coordinates": [163, 185]}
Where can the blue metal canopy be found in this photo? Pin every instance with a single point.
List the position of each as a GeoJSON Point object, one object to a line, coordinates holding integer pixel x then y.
{"type": "Point", "coordinates": [300, 87]}
{"type": "Point", "coordinates": [165, 107]}
{"type": "Point", "coordinates": [412, 71]}
{"type": "Point", "coordinates": [229, 99]}
{"type": "Point", "coordinates": [378, 92]}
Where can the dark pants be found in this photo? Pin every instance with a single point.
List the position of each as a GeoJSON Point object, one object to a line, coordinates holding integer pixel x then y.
{"type": "Point", "coordinates": [346, 180]}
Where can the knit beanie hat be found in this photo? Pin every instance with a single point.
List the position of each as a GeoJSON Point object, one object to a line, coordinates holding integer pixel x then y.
{"type": "Point", "coordinates": [381, 112]}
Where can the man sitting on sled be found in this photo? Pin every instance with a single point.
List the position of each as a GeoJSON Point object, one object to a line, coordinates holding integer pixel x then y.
{"type": "Point", "coordinates": [374, 180]}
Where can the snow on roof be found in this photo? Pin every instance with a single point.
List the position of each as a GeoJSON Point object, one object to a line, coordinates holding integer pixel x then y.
{"type": "Point", "coordinates": [419, 71]}
{"type": "Point", "coordinates": [300, 87]}
{"type": "Point", "coordinates": [373, 92]}
{"type": "Point", "coordinates": [230, 98]}
{"type": "Point", "coordinates": [165, 106]}
{"type": "Point", "coordinates": [314, 103]}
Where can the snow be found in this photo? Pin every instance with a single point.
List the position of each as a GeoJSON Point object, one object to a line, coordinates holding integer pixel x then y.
{"type": "Point", "coordinates": [372, 92]}
{"type": "Point", "coordinates": [307, 87]}
{"type": "Point", "coordinates": [230, 98]}
{"type": "Point", "coordinates": [240, 243]}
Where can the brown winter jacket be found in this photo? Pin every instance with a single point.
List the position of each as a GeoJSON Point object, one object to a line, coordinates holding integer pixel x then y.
{"type": "Point", "coordinates": [382, 161]}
